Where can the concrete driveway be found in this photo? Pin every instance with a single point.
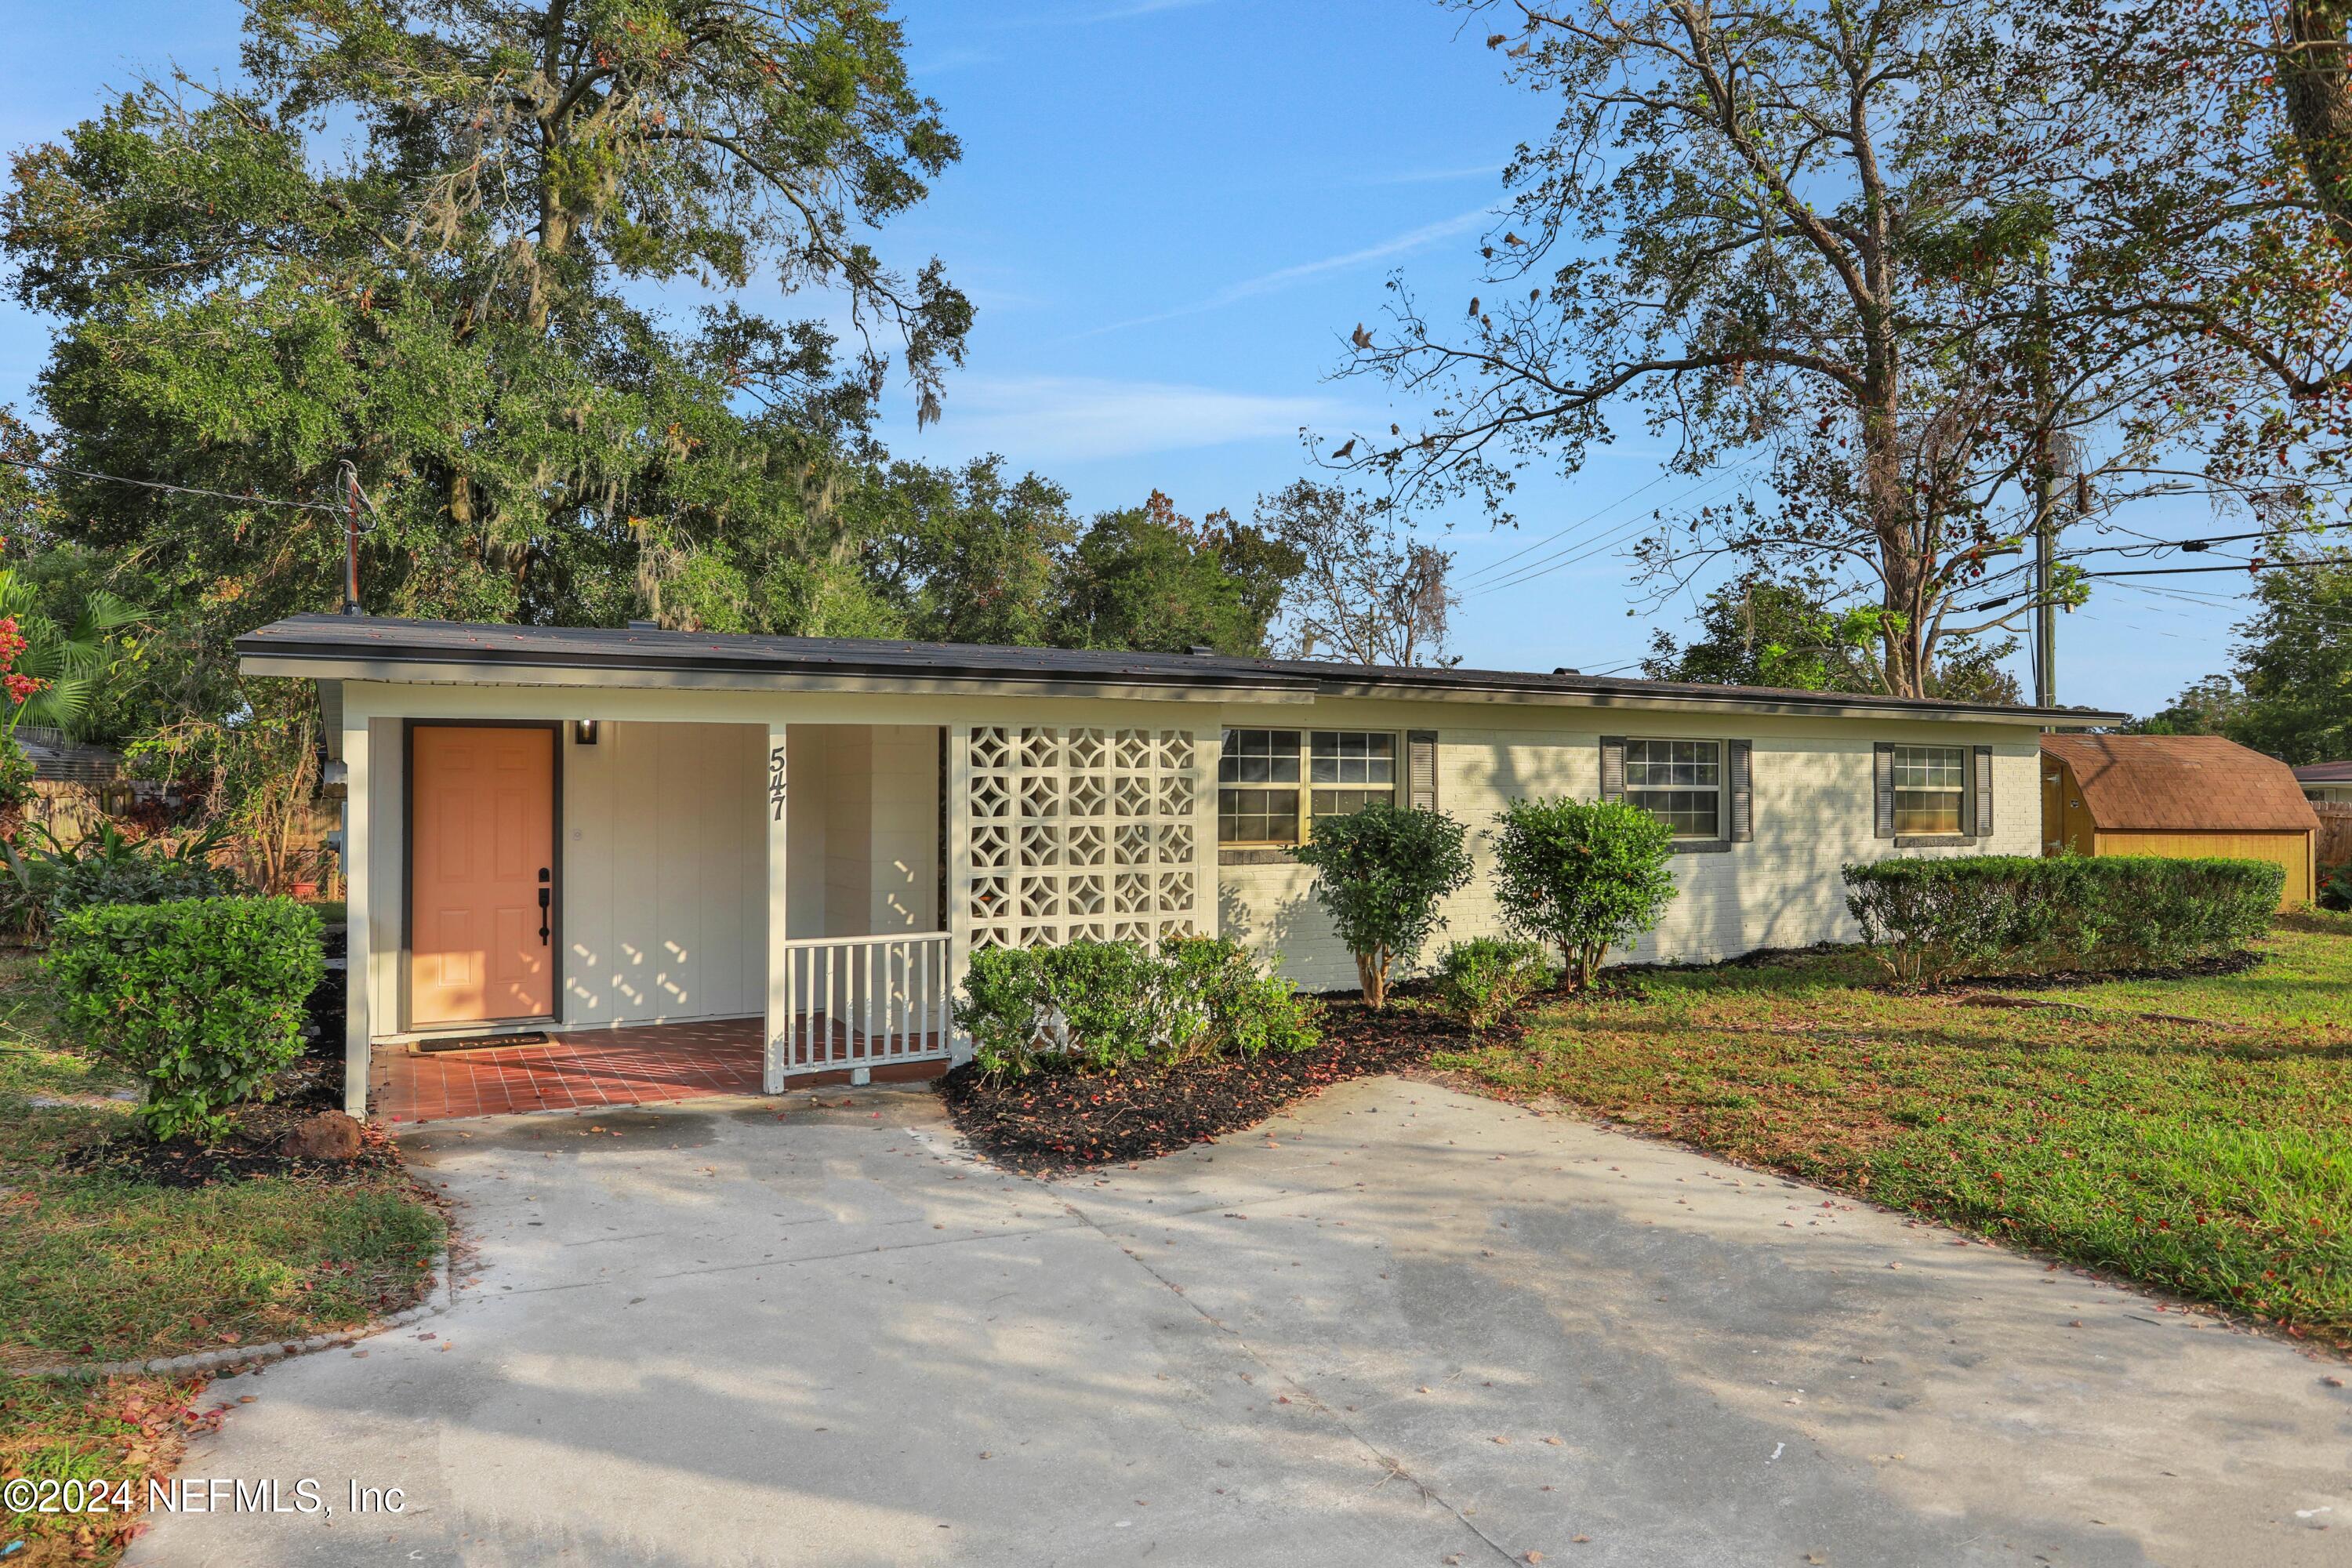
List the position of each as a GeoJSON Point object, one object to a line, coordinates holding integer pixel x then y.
{"type": "Point", "coordinates": [1404, 1325]}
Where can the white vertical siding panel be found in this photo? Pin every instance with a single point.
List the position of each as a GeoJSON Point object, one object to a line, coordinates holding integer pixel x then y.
{"type": "Point", "coordinates": [386, 808]}
{"type": "Point", "coordinates": [356, 748]}
{"type": "Point", "coordinates": [666, 880]}
{"type": "Point", "coordinates": [589, 775]}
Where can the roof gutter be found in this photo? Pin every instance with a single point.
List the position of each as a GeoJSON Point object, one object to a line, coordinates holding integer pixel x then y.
{"type": "Point", "coordinates": [337, 660]}
{"type": "Point", "coordinates": [518, 668]}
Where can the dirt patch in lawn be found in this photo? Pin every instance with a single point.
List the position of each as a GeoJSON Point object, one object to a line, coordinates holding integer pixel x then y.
{"type": "Point", "coordinates": [1064, 1119]}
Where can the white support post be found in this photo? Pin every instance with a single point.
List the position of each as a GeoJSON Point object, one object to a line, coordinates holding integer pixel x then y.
{"type": "Point", "coordinates": [358, 944]}
{"type": "Point", "coordinates": [779, 988]}
{"type": "Point", "coordinates": [956, 918]}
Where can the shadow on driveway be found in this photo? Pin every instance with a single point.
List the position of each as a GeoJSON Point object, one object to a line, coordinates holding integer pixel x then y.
{"type": "Point", "coordinates": [1399, 1325]}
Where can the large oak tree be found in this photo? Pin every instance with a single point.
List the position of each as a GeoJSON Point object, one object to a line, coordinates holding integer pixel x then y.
{"type": "Point", "coordinates": [454, 300]}
{"type": "Point", "coordinates": [1825, 245]}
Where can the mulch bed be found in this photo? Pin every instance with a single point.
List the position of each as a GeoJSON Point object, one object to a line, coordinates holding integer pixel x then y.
{"type": "Point", "coordinates": [1062, 1119]}
{"type": "Point", "coordinates": [256, 1144]}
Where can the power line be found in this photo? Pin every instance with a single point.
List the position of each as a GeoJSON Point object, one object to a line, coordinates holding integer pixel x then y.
{"type": "Point", "coordinates": [2228, 601]}
{"type": "Point", "coordinates": [1561, 559]}
{"type": "Point", "coordinates": [2256, 564]}
{"type": "Point", "coordinates": [2250, 566]}
{"type": "Point", "coordinates": [178, 490]}
{"type": "Point", "coordinates": [1492, 567]}
{"type": "Point", "coordinates": [1537, 567]}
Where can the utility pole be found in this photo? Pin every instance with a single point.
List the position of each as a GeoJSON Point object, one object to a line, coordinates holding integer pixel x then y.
{"type": "Point", "coordinates": [2045, 550]}
{"type": "Point", "coordinates": [2046, 515]}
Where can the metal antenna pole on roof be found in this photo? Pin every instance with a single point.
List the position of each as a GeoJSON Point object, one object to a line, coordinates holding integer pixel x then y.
{"type": "Point", "coordinates": [350, 477]}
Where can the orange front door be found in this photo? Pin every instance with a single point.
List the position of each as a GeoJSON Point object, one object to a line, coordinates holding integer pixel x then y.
{"type": "Point", "coordinates": [481, 874]}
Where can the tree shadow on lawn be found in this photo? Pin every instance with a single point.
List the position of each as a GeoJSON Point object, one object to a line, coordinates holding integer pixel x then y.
{"type": "Point", "coordinates": [2026, 1031]}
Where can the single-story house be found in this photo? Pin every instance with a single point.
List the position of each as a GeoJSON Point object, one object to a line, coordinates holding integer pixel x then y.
{"type": "Point", "coordinates": [585, 829]}
{"type": "Point", "coordinates": [2325, 782]}
{"type": "Point", "coordinates": [2187, 795]}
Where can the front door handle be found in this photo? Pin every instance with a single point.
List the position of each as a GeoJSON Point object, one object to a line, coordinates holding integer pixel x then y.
{"type": "Point", "coordinates": [542, 913]}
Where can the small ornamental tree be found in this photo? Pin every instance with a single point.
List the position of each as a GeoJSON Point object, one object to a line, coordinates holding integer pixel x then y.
{"type": "Point", "coordinates": [1378, 873]}
{"type": "Point", "coordinates": [1581, 877]}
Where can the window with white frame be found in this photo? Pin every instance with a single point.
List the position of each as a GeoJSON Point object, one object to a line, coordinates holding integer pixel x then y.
{"type": "Point", "coordinates": [1273, 784]}
{"type": "Point", "coordinates": [1678, 782]}
{"type": "Point", "coordinates": [1930, 789]}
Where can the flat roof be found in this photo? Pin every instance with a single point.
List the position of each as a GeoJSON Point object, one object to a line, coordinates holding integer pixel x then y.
{"type": "Point", "coordinates": [347, 645]}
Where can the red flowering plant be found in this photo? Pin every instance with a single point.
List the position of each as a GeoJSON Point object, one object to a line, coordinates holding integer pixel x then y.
{"type": "Point", "coordinates": [48, 670]}
{"type": "Point", "coordinates": [22, 688]}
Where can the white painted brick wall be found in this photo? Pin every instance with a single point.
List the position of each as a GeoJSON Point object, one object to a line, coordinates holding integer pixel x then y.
{"type": "Point", "coordinates": [1813, 814]}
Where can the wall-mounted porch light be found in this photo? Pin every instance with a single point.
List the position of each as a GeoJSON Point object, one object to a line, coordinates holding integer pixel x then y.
{"type": "Point", "coordinates": [583, 732]}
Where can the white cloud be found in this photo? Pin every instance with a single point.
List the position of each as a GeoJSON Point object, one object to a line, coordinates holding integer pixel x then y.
{"type": "Point", "coordinates": [1395, 245]}
{"type": "Point", "coordinates": [1284, 276]}
{"type": "Point", "coordinates": [1141, 8]}
{"type": "Point", "coordinates": [1124, 10]}
{"type": "Point", "coordinates": [1038, 421]}
{"type": "Point", "coordinates": [950, 61]}
{"type": "Point", "coordinates": [1488, 170]}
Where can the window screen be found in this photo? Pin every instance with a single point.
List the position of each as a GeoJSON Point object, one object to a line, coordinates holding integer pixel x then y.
{"type": "Point", "coordinates": [1930, 786]}
{"type": "Point", "coordinates": [1680, 782]}
{"type": "Point", "coordinates": [1365, 764]}
{"type": "Point", "coordinates": [1260, 776]}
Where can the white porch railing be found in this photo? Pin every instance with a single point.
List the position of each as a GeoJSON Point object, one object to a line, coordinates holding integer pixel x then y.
{"type": "Point", "coordinates": [864, 1001]}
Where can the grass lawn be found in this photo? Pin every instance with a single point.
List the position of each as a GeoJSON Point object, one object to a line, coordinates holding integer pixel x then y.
{"type": "Point", "coordinates": [2208, 1152]}
{"type": "Point", "coordinates": [121, 1429]}
{"type": "Point", "coordinates": [101, 1266]}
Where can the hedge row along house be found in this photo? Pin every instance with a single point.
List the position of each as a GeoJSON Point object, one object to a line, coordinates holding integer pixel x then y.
{"type": "Point", "coordinates": [2181, 796]}
{"type": "Point", "coordinates": [802, 840]}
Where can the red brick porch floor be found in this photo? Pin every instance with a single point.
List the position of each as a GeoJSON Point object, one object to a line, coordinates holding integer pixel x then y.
{"type": "Point", "coordinates": [647, 1065]}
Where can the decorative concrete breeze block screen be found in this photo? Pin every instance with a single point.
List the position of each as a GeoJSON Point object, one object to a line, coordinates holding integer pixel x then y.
{"type": "Point", "coordinates": [1083, 833]}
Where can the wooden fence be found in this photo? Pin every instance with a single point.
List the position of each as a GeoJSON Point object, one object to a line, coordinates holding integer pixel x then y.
{"type": "Point", "coordinates": [2334, 846]}
{"type": "Point", "coordinates": [70, 810]}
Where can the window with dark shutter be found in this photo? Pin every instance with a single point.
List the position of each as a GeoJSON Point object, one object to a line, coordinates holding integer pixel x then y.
{"type": "Point", "coordinates": [1743, 792]}
{"type": "Point", "coordinates": [1882, 772]}
{"type": "Point", "coordinates": [1612, 767]}
{"type": "Point", "coordinates": [1421, 769]}
{"type": "Point", "coordinates": [1983, 792]}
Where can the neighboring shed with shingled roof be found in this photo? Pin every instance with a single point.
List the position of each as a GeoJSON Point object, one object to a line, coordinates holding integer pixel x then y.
{"type": "Point", "coordinates": [2186, 795]}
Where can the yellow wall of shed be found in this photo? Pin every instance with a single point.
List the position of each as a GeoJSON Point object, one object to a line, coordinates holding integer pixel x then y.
{"type": "Point", "coordinates": [2292, 850]}
{"type": "Point", "coordinates": [2066, 827]}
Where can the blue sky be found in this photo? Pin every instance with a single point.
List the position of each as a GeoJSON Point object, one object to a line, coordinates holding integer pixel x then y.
{"type": "Point", "coordinates": [1170, 214]}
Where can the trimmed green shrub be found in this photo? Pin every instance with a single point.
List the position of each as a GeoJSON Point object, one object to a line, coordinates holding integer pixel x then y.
{"type": "Point", "coordinates": [1111, 1004]}
{"type": "Point", "coordinates": [1378, 874]}
{"type": "Point", "coordinates": [202, 997]}
{"type": "Point", "coordinates": [1929, 920]}
{"type": "Point", "coordinates": [1220, 1003]}
{"type": "Point", "coordinates": [1582, 875]}
{"type": "Point", "coordinates": [1484, 978]}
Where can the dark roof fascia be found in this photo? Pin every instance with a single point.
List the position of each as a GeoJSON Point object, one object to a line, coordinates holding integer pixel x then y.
{"type": "Point", "coordinates": [386, 656]}
{"type": "Point", "coordinates": [420, 663]}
